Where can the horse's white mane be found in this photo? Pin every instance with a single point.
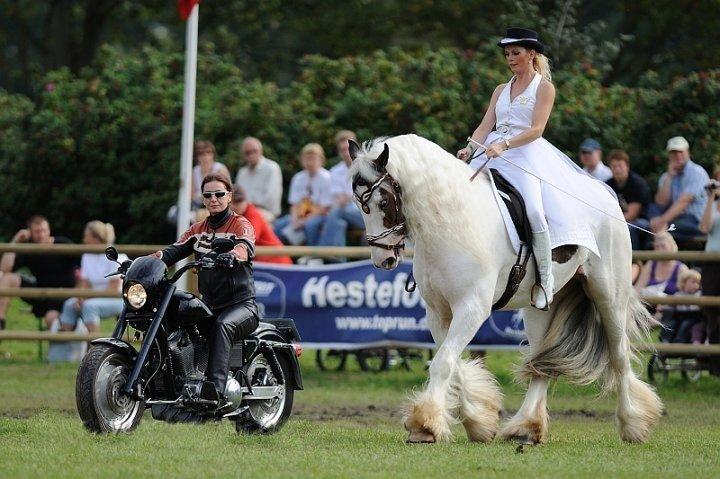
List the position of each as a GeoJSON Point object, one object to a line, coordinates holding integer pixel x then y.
{"type": "Point", "coordinates": [439, 201]}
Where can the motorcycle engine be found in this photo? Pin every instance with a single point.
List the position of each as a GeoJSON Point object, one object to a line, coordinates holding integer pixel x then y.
{"type": "Point", "coordinates": [182, 352]}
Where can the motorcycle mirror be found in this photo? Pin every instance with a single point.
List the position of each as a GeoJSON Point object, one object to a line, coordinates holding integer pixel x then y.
{"type": "Point", "coordinates": [222, 245]}
{"type": "Point", "coordinates": [111, 253]}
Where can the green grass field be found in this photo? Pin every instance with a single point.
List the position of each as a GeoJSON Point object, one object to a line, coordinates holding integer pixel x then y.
{"type": "Point", "coordinates": [344, 425]}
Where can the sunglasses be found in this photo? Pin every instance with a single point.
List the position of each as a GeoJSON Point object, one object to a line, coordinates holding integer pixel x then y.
{"type": "Point", "coordinates": [218, 194]}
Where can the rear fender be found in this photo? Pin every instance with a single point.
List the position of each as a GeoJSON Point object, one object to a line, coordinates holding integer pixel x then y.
{"type": "Point", "coordinates": [271, 339]}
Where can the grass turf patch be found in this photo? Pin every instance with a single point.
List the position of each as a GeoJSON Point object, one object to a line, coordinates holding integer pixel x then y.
{"type": "Point", "coordinates": [346, 424]}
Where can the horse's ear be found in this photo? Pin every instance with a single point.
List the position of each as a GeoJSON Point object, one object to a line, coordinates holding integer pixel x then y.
{"type": "Point", "coordinates": [354, 148]}
{"type": "Point", "coordinates": [382, 160]}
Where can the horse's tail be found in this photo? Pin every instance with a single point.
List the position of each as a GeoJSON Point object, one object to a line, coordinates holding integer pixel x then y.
{"type": "Point", "coordinates": [576, 343]}
{"type": "Point", "coordinates": [639, 325]}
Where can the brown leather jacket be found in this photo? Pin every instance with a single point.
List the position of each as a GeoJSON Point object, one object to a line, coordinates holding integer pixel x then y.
{"type": "Point", "coordinates": [220, 287]}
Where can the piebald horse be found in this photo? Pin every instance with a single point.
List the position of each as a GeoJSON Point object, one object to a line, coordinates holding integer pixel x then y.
{"type": "Point", "coordinates": [409, 186]}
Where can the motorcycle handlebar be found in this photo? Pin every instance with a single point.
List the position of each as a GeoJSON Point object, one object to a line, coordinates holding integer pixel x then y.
{"type": "Point", "coordinates": [204, 263]}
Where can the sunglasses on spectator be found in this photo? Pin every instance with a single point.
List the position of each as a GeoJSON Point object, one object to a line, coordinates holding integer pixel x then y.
{"type": "Point", "coordinates": [218, 194]}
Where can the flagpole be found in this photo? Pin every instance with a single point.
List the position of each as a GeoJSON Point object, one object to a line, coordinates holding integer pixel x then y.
{"type": "Point", "coordinates": [188, 126]}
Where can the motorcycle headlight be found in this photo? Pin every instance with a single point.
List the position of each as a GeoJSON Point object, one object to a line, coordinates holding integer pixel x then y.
{"type": "Point", "coordinates": [136, 295]}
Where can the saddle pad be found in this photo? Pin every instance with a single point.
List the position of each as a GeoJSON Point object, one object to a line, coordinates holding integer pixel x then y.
{"type": "Point", "coordinates": [503, 197]}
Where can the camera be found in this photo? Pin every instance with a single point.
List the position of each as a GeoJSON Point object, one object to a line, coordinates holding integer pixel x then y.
{"type": "Point", "coordinates": [712, 186]}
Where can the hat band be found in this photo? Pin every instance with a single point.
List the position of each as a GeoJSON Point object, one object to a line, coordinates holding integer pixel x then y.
{"type": "Point", "coordinates": [515, 40]}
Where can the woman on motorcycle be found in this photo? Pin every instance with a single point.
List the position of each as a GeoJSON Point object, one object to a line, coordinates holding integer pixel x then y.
{"type": "Point", "coordinates": [228, 289]}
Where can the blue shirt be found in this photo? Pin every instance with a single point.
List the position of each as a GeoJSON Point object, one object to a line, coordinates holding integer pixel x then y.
{"type": "Point", "coordinates": [691, 180]}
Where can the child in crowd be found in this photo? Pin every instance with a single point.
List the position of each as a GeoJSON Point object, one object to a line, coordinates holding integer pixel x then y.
{"type": "Point", "coordinates": [678, 322]}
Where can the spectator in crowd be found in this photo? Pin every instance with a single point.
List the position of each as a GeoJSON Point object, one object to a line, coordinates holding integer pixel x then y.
{"type": "Point", "coordinates": [344, 212]}
{"type": "Point", "coordinates": [94, 267]}
{"type": "Point", "coordinates": [633, 192]}
{"type": "Point", "coordinates": [204, 155]}
{"type": "Point", "coordinates": [591, 159]}
{"type": "Point", "coordinates": [264, 234]}
{"type": "Point", "coordinates": [660, 277]}
{"type": "Point", "coordinates": [46, 271]}
{"type": "Point", "coordinates": [681, 196]}
{"type": "Point", "coordinates": [261, 179]}
{"type": "Point", "coordinates": [679, 320]}
{"type": "Point", "coordinates": [710, 224]}
{"type": "Point", "coordinates": [309, 199]}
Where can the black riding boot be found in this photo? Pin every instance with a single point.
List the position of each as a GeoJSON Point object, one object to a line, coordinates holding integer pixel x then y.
{"type": "Point", "coordinates": [233, 323]}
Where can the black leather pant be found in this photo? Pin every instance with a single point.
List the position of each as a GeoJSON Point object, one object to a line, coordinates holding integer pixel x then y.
{"type": "Point", "coordinates": [231, 324]}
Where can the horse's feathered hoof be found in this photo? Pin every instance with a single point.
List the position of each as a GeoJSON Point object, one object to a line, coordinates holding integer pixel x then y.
{"type": "Point", "coordinates": [420, 437]}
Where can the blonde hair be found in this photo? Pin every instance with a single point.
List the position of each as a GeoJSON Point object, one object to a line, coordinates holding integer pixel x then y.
{"type": "Point", "coordinates": [665, 236]}
{"type": "Point", "coordinates": [105, 232]}
{"type": "Point", "coordinates": [344, 135]}
{"type": "Point", "coordinates": [313, 148]}
{"type": "Point", "coordinates": [686, 275]}
{"type": "Point", "coordinates": [541, 64]}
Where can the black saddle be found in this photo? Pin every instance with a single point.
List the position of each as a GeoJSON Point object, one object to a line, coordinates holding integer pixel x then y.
{"type": "Point", "coordinates": [516, 207]}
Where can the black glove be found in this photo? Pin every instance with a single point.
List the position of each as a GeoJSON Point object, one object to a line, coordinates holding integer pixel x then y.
{"type": "Point", "coordinates": [225, 260]}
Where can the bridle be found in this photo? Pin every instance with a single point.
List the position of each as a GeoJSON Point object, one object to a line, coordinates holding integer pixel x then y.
{"type": "Point", "coordinates": [399, 227]}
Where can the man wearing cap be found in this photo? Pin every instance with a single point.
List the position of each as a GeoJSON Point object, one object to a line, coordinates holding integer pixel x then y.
{"type": "Point", "coordinates": [681, 195]}
{"type": "Point", "coordinates": [591, 159]}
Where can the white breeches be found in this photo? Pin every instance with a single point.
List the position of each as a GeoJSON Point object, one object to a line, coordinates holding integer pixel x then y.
{"type": "Point", "coordinates": [529, 188]}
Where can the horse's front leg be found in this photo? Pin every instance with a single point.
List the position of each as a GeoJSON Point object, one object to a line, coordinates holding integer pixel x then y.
{"type": "Point", "coordinates": [453, 386]}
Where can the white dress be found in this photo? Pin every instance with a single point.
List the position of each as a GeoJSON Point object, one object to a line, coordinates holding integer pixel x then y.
{"type": "Point", "coordinates": [569, 220]}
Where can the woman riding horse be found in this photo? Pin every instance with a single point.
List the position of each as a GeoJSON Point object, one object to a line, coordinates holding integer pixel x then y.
{"type": "Point", "coordinates": [519, 111]}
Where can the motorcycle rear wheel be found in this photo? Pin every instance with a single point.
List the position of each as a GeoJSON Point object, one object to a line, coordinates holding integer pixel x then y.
{"type": "Point", "coordinates": [102, 409]}
{"type": "Point", "coordinates": [266, 417]}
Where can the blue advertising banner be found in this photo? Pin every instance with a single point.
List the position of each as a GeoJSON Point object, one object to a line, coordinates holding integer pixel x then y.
{"type": "Point", "coordinates": [354, 305]}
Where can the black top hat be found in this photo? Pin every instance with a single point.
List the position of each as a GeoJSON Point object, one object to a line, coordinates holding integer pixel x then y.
{"type": "Point", "coordinates": [523, 37]}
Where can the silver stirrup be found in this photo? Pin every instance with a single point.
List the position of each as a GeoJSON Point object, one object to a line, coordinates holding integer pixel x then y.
{"type": "Point", "coordinates": [538, 292]}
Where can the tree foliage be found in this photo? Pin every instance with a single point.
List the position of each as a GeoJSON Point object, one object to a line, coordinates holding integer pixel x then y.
{"type": "Point", "coordinates": [620, 38]}
{"type": "Point", "coordinates": [104, 143]}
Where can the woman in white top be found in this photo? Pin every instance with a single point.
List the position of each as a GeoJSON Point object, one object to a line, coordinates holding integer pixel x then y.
{"type": "Point", "coordinates": [93, 269]}
{"type": "Point", "coordinates": [512, 128]}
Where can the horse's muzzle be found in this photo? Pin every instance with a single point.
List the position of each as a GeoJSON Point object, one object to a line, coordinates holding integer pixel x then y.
{"type": "Point", "coordinates": [389, 263]}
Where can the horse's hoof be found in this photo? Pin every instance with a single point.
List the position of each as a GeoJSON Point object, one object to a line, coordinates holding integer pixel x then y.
{"type": "Point", "coordinates": [420, 437]}
{"type": "Point", "coordinates": [524, 446]}
{"type": "Point", "coordinates": [524, 440]}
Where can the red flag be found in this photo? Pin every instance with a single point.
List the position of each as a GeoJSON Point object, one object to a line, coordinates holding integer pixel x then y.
{"type": "Point", "coordinates": [185, 7]}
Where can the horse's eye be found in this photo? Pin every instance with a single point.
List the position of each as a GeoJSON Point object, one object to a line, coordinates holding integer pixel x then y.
{"type": "Point", "coordinates": [383, 204]}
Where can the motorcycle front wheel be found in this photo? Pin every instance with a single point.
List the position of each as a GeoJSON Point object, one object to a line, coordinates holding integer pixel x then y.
{"type": "Point", "coordinates": [102, 409]}
{"type": "Point", "coordinates": [267, 416]}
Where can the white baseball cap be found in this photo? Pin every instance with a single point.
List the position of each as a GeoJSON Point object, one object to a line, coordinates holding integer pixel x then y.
{"type": "Point", "coordinates": [677, 143]}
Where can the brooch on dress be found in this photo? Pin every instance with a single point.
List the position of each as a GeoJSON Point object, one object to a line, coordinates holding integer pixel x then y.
{"type": "Point", "coordinates": [522, 100]}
